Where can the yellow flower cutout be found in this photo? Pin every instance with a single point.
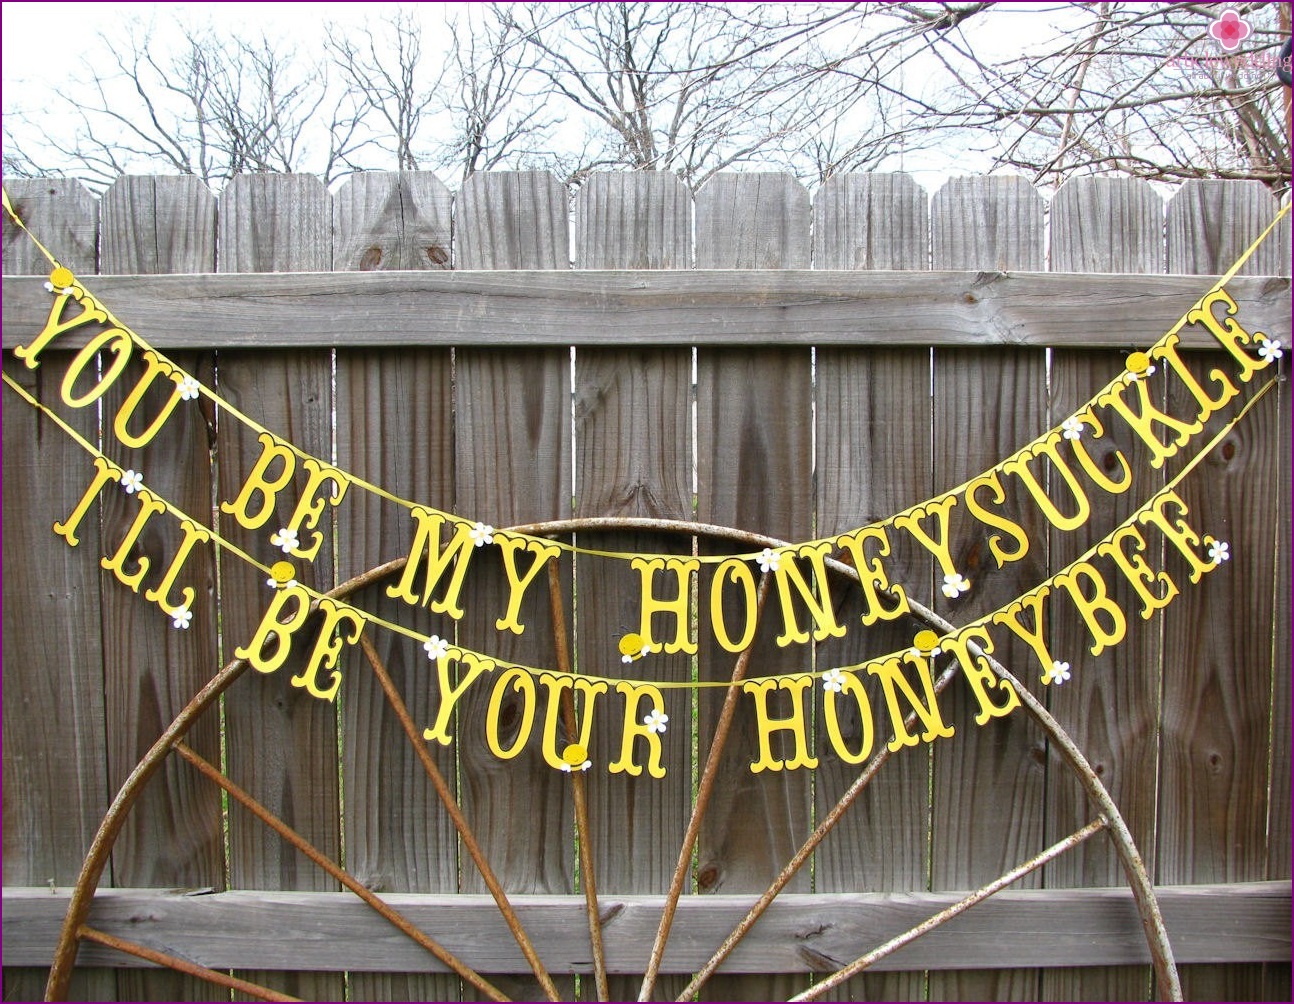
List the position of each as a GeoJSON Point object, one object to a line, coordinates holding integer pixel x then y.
{"type": "Point", "coordinates": [61, 277]}
{"type": "Point", "coordinates": [282, 575]}
{"type": "Point", "coordinates": [1139, 366]}
{"type": "Point", "coordinates": [575, 757]}
{"type": "Point", "coordinates": [634, 646]}
{"type": "Point", "coordinates": [925, 643]}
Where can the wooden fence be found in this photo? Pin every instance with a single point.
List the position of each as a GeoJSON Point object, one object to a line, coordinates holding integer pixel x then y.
{"type": "Point", "coordinates": [743, 356]}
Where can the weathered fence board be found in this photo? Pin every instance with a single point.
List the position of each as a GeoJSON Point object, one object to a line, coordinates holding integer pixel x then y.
{"type": "Point", "coordinates": [734, 308]}
{"type": "Point", "coordinates": [633, 458]}
{"type": "Point", "coordinates": [332, 932]}
{"type": "Point", "coordinates": [1217, 706]}
{"type": "Point", "coordinates": [513, 455]}
{"type": "Point", "coordinates": [748, 440]}
{"type": "Point", "coordinates": [280, 748]}
{"type": "Point", "coordinates": [873, 454]}
{"type": "Point", "coordinates": [55, 733]}
{"type": "Point", "coordinates": [924, 344]}
{"type": "Point", "coordinates": [392, 408]}
{"type": "Point", "coordinates": [1103, 225]}
{"type": "Point", "coordinates": [174, 837]}
{"type": "Point", "coordinates": [986, 404]}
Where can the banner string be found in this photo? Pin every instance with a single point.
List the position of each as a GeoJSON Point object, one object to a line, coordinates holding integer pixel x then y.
{"type": "Point", "coordinates": [369, 618]}
{"type": "Point", "coordinates": [834, 540]}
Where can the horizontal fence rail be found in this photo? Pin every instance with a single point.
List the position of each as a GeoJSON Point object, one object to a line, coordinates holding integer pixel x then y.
{"type": "Point", "coordinates": [749, 355]}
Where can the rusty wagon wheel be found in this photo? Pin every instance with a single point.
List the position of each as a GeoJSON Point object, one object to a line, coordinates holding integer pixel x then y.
{"type": "Point", "coordinates": [1106, 818]}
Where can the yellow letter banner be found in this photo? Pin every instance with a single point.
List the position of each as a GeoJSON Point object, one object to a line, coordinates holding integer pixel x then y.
{"type": "Point", "coordinates": [1056, 470]}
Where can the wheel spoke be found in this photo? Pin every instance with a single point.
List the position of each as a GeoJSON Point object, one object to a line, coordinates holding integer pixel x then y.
{"type": "Point", "coordinates": [948, 913]}
{"type": "Point", "coordinates": [337, 872]}
{"type": "Point", "coordinates": [182, 965]}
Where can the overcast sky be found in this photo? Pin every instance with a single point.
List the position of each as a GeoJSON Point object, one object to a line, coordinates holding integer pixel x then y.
{"type": "Point", "coordinates": [40, 39]}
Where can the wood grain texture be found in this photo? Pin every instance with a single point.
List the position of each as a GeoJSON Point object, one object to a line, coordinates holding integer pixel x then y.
{"type": "Point", "coordinates": [633, 456]}
{"type": "Point", "coordinates": [871, 221]}
{"type": "Point", "coordinates": [1218, 636]}
{"type": "Point", "coordinates": [988, 223]}
{"type": "Point", "coordinates": [1111, 705]}
{"type": "Point", "coordinates": [62, 215]}
{"type": "Point", "coordinates": [155, 226]}
{"type": "Point", "coordinates": [673, 308]}
{"type": "Point", "coordinates": [1277, 977]}
{"type": "Point", "coordinates": [1210, 223]}
{"type": "Point", "coordinates": [395, 428]}
{"type": "Point", "coordinates": [55, 730]}
{"type": "Point", "coordinates": [986, 405]}
{"type": "Point", "coordinates": [281, 743]}
{"type": "Point", "coordinates": [275, 223]}
{"type": "Point", "coordinates": [633, 220]}
{"type": "Point", "coordinates": [391, 220]}
{"type": "Point", "coordinates": [174, 834]}
{"type": "Point", "coordinates": [873, 441]}
{"type": "Point", "coordinates": [513, 458]}
{"type": "Point", "coordinates": [755, 472]}
{"type": "Point", "coordinates": [752, 221]}
{"type": "Point", "coordinates": [512, 220]}
{"type": "Point", "coordinates": [1107, 225]}
{"type": "Point", "coordinates": [335, 931]}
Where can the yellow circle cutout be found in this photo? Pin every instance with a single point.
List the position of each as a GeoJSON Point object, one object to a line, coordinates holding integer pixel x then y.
{"type": "Point", "coordinates": [283, 571]}
{"type": "Point", "coordinates": [925, 640]}
{"type": "Point", "coordinates": [631, 644]}
{"type": "Point", "coordinates": [1138, 362]}
{"type": "Point", "coordinates": [61, 277]}
{"type": "Point", "coordinates": [574, 754]}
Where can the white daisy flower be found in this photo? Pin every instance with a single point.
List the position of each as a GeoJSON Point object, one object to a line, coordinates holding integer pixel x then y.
{"type": "Point", "coordinates": [436, 647]}
{"type": "Point", "coordinates": [285, 540]}
{"type": "Point", "coordinates": [954, 585]}
{"type": "Point", "coordinates": [656, 721]}
{"type": "Point", "coordinates": [1058, 673]}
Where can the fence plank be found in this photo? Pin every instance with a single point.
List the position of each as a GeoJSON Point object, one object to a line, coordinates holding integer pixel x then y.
{"type": "Point", "coordinates": [56, 785]}
{"type": "Point", "coordinates": [1111, 706]}
{"type": "Point", "coordinates": [1218, 688]}
{"type": "Point", "coordinates": [873, 443]}
{"type": "Point", "coordinates": [394, 425]}
{"type": "Point", "coordinates": [513, 414]}
{"type": "Point", "coordinates": [281, 744]}
{"type": "Point", "coordinates": [62, 215]}
{"type": "Point", "coordinates": [391, 220]}
{"type": "Point", "coordinates": [987, 404]}
{"type": "Point", "coordinates": [174, 835]}
{"type": "Point", "coordinates": [853, 231]}
{"type": "Point", "coordinates": [751, 433]}
{"type": "Point", "coordinates": [633, 458]}
{"type": "Point", "coordinates": [512, 220]}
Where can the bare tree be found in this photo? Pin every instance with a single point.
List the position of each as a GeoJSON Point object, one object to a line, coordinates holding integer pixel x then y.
{"type": "Point", "coordinates": [498, 117]}
{"type": "Point", "coordinates": [214, 107]}
{"type": "Point", "coordinates": [694, 88]}
{"type": "Point", "coordinates": [1129, 88]}
{"type": "Point", "coordinates": [384, 70]}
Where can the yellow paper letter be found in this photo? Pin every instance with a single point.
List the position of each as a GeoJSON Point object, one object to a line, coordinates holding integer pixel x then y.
{"type": "Point", "coordinates": [795, 686]}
